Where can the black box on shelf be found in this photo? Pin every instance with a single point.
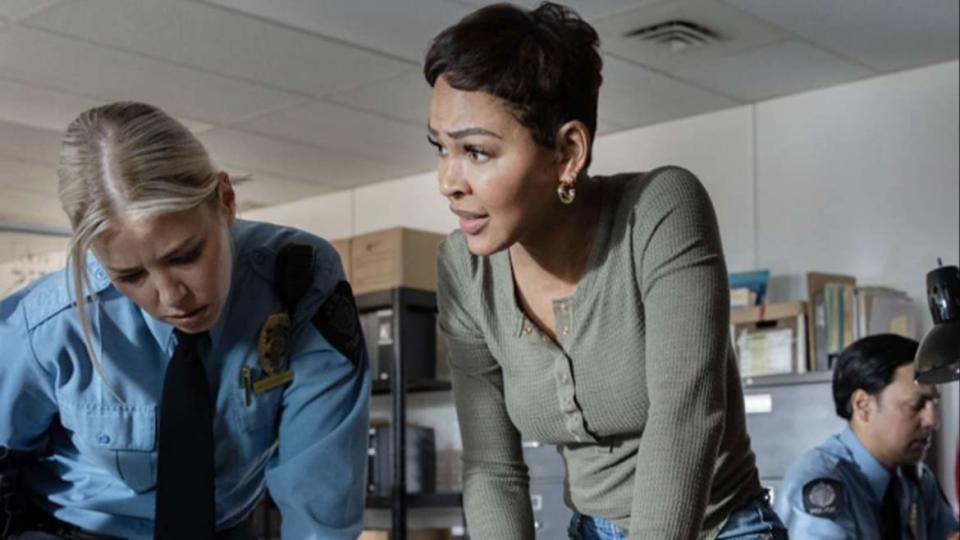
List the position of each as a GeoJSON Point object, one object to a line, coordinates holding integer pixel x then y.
{"type": "Point", "coordinates": [400, 321]}
{"type": "Point", "coordinates": [421, 460]}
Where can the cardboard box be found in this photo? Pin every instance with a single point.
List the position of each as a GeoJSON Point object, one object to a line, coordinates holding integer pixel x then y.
{"type": "Point", "coordinates": [742, 297]}
{"type": "Point", "coordinates": [392, 258]}
{"type": "Point", "coordinates": [770, 339]}
{"type": "Point", "coordinates": [343, 249]}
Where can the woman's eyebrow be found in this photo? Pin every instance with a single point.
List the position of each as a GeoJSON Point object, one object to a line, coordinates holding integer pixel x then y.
{"type": "Point", "coordinates": [466, 132]}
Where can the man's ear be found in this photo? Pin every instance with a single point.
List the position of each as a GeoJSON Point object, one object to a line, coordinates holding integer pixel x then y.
{"type": "Point", "coordinates": [862, 405]}
{"type": "Point", "coordinates": [573, 150]}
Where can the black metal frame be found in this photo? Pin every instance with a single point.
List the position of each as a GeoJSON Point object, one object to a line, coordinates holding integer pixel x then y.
{"type": "Point", "coordinates": [401, 299]}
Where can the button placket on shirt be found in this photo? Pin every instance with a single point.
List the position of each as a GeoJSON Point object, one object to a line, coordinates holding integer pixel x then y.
{"type": "Point", "coordinates": [563, 373]}
{"type": "Point", "coordinates": [562, 368]}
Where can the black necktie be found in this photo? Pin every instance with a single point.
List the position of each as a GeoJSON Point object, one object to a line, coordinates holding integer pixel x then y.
{"type": "Point", "coordinates": [185, 507]}
{"type": "Point", "coordinates": [890, 510]}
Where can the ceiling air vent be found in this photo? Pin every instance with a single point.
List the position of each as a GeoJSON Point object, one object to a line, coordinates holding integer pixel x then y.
{"type": "Point", "coordinates": [678, 35]}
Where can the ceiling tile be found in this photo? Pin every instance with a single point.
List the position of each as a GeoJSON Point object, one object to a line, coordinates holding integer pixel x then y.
{"type": "Point", "coordinates": [883, 35]}
{"type": "Point", "coordinates": [632, 96]}
{"type": "Point", "coordinates": [351, 131]}
{"type": "Point", "coordinates": [23, 143]}
{"type": "Point", "coordinates": [405, 98]}
{"type": "Point", "coordinates": [32, 106]}
{"type": "Point", "coordinates": [47, 109]}
{"type": "Point", "coordinates": [775, 70]}
{"type": "Point", "coordinates": [270, 157]}
{"type": "Point", "coordinates": [256, 190]}
{"type": "Point", "coordinates": [25, 176]}
{"type": "Point", "coordinates": [16, 9]}
{"type": "Point", "coordinates": [586, 9]}
{"type": "Point", "coordinates": [402, 29]}
{"type": "Point", "coordinates": [738, 32]}
{"type": "Point", "coordinates": [220, 41]}
{"type": "Point", "coordinates": [63, 64]}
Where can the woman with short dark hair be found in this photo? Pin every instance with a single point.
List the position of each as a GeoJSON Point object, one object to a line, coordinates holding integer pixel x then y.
{"type": "Point", "coordinates": [587, 312]}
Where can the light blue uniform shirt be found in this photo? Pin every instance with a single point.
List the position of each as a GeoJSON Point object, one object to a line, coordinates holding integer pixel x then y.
{"type": "Point", "coordinates": [924, 512]}
{"type": "Point", "coordinates": [100, 466]}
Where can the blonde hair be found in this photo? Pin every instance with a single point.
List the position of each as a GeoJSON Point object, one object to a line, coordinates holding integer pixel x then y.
{"type": "Point", "coordinates": [124, 161]}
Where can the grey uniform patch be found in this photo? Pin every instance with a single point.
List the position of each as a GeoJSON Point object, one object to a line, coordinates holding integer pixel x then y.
{"type": "Point", "coordinates": [823, 497]}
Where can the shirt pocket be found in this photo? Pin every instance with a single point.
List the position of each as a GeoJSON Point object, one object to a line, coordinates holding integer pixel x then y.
{"type": "Point", "coordinates": [255, 424]}
{"type": "Point", "coordinates": [122, 440]}
{"type": "Point", "coordinates": [257, 412]}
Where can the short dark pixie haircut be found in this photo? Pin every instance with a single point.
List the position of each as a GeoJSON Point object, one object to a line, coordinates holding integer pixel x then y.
{"type": "Point", "coordinates": [869, 363]}
{"type": "Point", "coordinates": [545, 63]}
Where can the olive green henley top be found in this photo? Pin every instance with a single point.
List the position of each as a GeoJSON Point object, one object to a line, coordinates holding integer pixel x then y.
{"type": "Point", "coordinates": [640, 390]}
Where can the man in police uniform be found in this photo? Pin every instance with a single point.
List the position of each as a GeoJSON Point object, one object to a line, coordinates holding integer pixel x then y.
{"type": "Point", "coordinates": [869, 481]}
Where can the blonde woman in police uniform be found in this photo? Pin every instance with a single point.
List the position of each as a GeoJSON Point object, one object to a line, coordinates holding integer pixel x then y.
{"type": "Point", "coordinates": [209, 358]}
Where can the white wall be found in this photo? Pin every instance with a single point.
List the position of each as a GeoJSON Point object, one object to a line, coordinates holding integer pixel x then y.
{"type": "Point", "coordinates": [329, 216]}
{"type": "Point", "coordinates": [717, 147]}
{"type": "Point", "coordinates": [861, 178]}
{"type": "Point", "coordinates": [411, 201]}
{"type": "Point", "coordinates": [25, 266]}
{"type": "Point", "coordinates": [18, 245]}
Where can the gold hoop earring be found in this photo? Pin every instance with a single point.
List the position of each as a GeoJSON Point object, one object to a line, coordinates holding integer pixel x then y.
{"type": "Point", "coordinates": [566, 192]}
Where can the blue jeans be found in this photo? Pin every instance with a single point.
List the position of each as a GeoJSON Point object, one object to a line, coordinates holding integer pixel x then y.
{"type": "Point", "coordinates": [755, 520]}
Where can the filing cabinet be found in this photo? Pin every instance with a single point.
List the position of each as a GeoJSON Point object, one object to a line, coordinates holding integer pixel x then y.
{"type": "Point", "coordinates": [551, 515]}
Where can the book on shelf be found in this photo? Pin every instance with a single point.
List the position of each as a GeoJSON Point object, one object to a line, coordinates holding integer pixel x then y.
{"type": "Point", "coordinates": [884, 310]}
{"type": "Point", "coordinates": [830, 317]}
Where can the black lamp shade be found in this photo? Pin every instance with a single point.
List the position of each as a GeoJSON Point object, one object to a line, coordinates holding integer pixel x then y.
{"type": "Point", "coordinates": [938, 358]}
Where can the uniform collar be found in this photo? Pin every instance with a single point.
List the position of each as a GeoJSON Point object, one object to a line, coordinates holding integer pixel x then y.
{"type": "Point", "coordinates": [876, 474]}
{"type": "Point", "coordinates": [161, 331]}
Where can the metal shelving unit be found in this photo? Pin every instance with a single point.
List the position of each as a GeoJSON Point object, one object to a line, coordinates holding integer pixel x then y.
{"type": "Point", "coordinates": [402, 300]}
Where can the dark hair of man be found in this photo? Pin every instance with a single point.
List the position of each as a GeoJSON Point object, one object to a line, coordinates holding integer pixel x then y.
{"type": "Point", "coordinates": [869, 364]}
{"type": "Point", "coordinates": [545, 63]}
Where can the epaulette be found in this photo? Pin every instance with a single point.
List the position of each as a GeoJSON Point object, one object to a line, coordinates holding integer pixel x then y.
{"type": "Point", "coordinates": [53, 293]}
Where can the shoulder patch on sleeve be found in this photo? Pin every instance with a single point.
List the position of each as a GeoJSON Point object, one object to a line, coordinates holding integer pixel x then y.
{"type": "Point", "coordinates": [823, 497]}
{"type": "Point", "coordinates": [338, 321]}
